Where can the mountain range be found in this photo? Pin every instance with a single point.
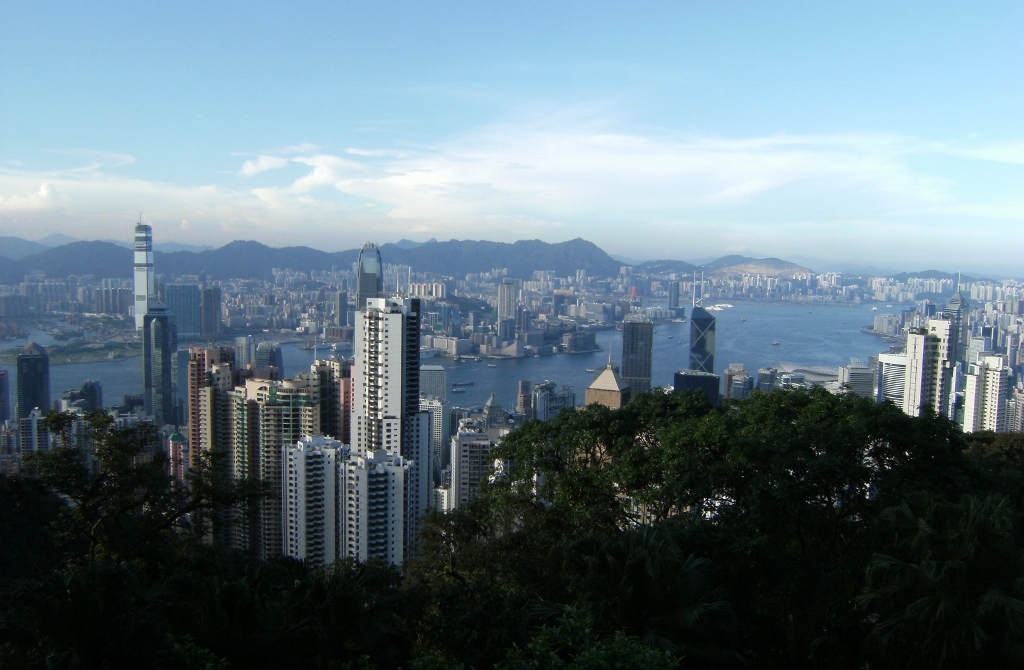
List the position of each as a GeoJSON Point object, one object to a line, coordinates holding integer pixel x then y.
{"type": "Point", "coordinates": [57, 257]}
{"type": "Point", "coordinates": [247, 259]}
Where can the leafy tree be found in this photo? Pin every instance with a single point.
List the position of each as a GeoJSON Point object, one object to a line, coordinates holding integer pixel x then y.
{"type": "Point", "coordinates": [571, 644]}
{"type": "Point", "coordinates": [129, 506]}
{"type": "Point", "coordinates": [949, 593]}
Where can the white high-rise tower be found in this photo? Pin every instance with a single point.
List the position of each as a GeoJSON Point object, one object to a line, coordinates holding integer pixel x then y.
{"type": "Point", "coordinates": [386, 417]}
{"type": "Point", "coordinates": [145, 279]}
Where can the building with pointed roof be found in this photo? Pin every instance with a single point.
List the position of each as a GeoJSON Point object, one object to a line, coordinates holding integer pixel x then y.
{"type": "Point", "coordinates": [608, 389]}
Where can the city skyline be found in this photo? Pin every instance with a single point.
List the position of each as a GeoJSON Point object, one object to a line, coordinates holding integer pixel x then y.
{"type": "Point", "coordinates": [870, 134]}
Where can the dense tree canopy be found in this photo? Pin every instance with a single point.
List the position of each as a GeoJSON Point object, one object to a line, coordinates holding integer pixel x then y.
{"type": "Point", "coordinates": [789, 530]}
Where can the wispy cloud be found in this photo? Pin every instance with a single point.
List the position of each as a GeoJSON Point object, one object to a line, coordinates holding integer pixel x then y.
{"type": "Point", "coordinates": [263, 164]}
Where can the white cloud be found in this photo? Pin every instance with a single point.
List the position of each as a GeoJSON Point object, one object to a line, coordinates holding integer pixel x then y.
{"type": "Point", "coordinates": [305, 148]}
{"type": "Point", "coordinates": [263, 164]}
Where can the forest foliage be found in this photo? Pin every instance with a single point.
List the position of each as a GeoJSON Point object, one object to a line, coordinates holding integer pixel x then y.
{"type": "Point", "coordinates": [788, 530]}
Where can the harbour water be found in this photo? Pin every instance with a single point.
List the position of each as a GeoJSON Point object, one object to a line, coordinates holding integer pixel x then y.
{"type": "Point", "coordinates": [808, 335]}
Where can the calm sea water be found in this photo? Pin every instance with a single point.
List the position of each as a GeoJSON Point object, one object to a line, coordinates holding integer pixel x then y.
{"type": "Point", "coordinates": [807, 335]}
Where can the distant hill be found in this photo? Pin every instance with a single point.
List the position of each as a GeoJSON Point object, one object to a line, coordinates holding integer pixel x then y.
{"type": "Point", "coordinates": [16, 248]}
{"type": "Point", "coordinates": [732, 265]}
{"type": "Point", "coordinates": [725, 265]}
{"type": "Point", "coordinates": [100, 259]}
{"type": "Point", "coordinates": [522, 258]}
{"type": "Point", "coordinates": [247, 259]}
{"type": "Point", "coordinates": [665, 267]}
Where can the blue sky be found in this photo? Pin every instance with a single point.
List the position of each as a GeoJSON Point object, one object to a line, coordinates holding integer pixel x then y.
{"type": "Point", "coordinates": [865, 133]}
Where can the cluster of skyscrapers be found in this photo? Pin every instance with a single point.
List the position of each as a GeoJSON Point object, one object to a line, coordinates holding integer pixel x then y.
{"type": "Point", "coordinates": [355, 450]}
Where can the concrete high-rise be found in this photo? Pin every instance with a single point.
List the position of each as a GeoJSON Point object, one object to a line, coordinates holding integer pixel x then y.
{"type": "Point", "coordinates": [266, 418]}
{"type": "Point", "coordinates": [929, 371]}
{"type": "Point", "coordinates": [159, 342]}
{"type": "Point", "coordinates": [892, 377]}
{"type": "Point", "coordinates": [373, 490]}
{"type": "Point", "coordinates": [369, 275]}
{"type": "Point", "coordinates": [439, 413]}
{"type": "Point", "coordinates": [145, 278]}
{"type": "Point", "coordinates": [988, 387]}
{"type": "Point", "coordinates": [386, 412]}
{"type": "Point", "coordinates": [311, 469]}
{"type": "Point", "coordinates": [507, 300]}
{"type": "Point", "coordinates": [471, 449]}
{"type": "Point", "coordinates": [857, 378]}
{"type": "Point", "coordinates": [33, 380]}
{"type": "Point", "coordinates": [637, 353]}
{"type": "Point", "coordinates": [434, 382]}
{"type": "Point", "coordinates": [201, 362]}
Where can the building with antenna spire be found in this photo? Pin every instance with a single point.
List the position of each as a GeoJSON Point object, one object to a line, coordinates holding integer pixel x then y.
{"type": "Point", "coordinates": [702, 332]}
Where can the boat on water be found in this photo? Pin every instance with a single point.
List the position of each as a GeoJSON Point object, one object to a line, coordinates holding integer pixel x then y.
{"type": "Point", "coordinates": [458, 390]}
{"type": "Point", "coordinates": [743, 319]}
{"type": "Point", "coordinates": [671, 336]}
{"type": "Point", "coordinates": [492, 365]}
{"type": "Point", "coordinates": [775, 343]}
{"type": "Point", "coordinates": [456, 384]}
{"type": "Point", "coordinates": [591, 369]}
